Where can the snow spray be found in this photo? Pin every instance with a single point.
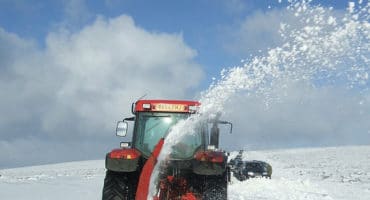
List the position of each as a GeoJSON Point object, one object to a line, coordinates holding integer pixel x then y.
{"type": "Point", "coordinates": [324, 47]}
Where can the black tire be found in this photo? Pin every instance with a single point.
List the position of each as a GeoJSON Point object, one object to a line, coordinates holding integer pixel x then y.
{"type": "Point", "coordinates": [119, 186]}
{"type": "Point", "coordinates": [216, 189]}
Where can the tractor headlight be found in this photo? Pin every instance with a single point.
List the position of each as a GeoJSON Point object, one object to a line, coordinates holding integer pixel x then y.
{"type": "Point", "coordinates": [265, 173]}
{"type": "Point", "coordinates": [250, 174]}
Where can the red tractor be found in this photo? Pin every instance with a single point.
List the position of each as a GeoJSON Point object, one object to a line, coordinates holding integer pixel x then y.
{"type": "Point", "coordinates": [195, 169]}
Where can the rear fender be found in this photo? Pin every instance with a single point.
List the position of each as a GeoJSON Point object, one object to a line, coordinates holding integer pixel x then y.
{"type": "Point", "coordinates": [209, 163]}
{"type": "Point", "coordinates": [122, 160]}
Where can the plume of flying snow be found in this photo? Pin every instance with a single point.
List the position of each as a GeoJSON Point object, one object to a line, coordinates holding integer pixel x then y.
{"type": "Point", "coordinates": [327, 48]}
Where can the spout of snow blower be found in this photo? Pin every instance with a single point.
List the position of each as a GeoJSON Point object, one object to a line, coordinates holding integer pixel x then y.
{"type": "Point", "coordinates": [144, 181]}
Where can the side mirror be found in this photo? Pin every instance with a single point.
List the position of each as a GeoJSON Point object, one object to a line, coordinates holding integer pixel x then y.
{"type": "Point", "coordinates": [227, 123]}
{"type": "Point", "coordinates": [121, 129]}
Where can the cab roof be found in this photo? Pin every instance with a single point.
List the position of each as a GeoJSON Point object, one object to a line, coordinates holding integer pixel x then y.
{"type": "Point", "coordinates": [166, 106]}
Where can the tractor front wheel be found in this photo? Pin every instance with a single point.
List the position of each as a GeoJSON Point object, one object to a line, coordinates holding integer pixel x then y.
{"type": "Point", "coordinates": [118, 186]}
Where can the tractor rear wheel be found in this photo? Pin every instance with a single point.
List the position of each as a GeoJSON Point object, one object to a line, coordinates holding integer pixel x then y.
{"type": "Point", "coordinates": [118, 186]}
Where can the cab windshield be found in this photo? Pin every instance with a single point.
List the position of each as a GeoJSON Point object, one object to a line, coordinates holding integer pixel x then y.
{"type": "Point", "coordinates": [151, 127]}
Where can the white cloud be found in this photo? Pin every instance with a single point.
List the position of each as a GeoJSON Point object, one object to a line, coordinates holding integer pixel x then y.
{"type": "Point", "coordinates": [302, 116]}
{"type": "Point", "coordinates": [82, 82]}
{"type": "Point", "coordinates": [260, 30]}
{"type": "Point", "coordinates": [257, 31]}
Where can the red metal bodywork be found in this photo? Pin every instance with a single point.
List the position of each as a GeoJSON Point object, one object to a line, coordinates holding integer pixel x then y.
{"type": "Point", "coordinates": [210, 156]}
{"type": "Point", "coordinates": [175, 188]}
{"type": "Point", "coordinates": [124, 153]}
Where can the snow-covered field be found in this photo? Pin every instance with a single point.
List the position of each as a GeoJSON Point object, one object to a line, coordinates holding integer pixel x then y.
{"type": "Point", "coordinates": [317, 173]}
{"type": "Point", "coordinates": [74, 180]}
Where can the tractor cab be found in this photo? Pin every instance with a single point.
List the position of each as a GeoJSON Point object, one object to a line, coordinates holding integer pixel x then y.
{"type": "Point", "coordinates": [154, 119]}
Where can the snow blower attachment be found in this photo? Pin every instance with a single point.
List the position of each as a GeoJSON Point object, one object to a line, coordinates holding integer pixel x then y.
{"type": "Point", "coordinates": [196, 169]}
{"type": "Point", "coordinates": [245, 169]}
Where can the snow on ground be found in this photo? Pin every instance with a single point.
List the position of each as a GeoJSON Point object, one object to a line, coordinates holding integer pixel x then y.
{"type": "Point", "coordinates": [317, 173]}
{"type": "Point", "coordinates": [65, 181]}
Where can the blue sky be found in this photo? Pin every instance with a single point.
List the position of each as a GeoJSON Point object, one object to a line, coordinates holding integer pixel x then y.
{"type": "Point", "coordinates": [205, 24]}
{"type": "Point", "coordinates": [70, 69]}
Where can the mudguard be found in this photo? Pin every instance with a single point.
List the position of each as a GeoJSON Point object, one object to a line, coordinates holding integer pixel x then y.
{"type": "Point", "coordinates": [209, 163]}
{"type": "Point", "coordinates": [122, 160]}
{"type": "Point", "coordinates": [208, 168]}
